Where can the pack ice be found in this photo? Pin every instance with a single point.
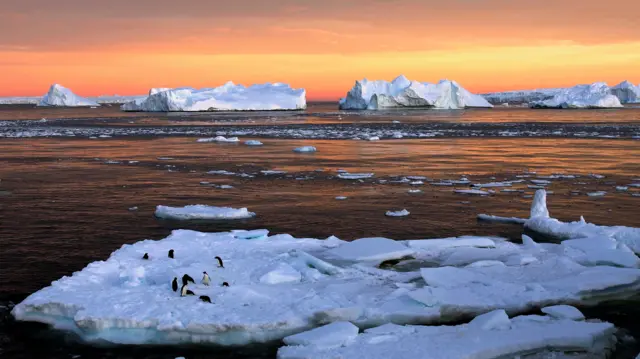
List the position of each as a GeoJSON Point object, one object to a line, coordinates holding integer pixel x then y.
{"type": "Point", "coordinates": [281, 286]}
{"type": "Point", "coordinates": [596, 95]}
{"type": "Point", "coordinates": [228, 97]}
{"type": "Point", "coordinates": [404, 93]}
{"type": "Point", "coordinates": [61, 96]}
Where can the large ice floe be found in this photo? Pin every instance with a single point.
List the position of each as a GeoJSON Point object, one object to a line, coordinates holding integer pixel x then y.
{"type": "Point", "coordinates": [596, 95]}
{"type": "Point", "coordinates": [280, 286]}
{"type": "Point", "coordinates": [404, 93]}
{"type": "Point", "coordinates": [202, 212]}
{"type": "Point", "coordinates": [63, 97]}
{"type": "Point", "coordinates": [228, 97]}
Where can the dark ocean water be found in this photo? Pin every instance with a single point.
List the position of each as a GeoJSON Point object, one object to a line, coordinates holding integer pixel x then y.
{"type": "Point", "coordinates": [64, 200]}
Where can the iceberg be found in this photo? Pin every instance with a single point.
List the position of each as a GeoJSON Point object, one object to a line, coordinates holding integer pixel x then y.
{"type": "Point", "coordinates": [524, 335]}
{"type": "Point", "coordinates": [627, 92]}
{"type": "Point", "coordinates": [199, 211]}
{"type": "Point", "coordinates": [228, 97]}
{"type": "Point", "coordinates": [596, 95]}
{"type": "Point", "coordinates": [404, 93]}
{"type": "Point", "coordinates": [63, 97]}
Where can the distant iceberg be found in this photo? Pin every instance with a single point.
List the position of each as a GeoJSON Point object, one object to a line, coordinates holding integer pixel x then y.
{"type": "Point", "coordinates": [228, 97]}
{"type": "Point", "coordinates": [627, 92]}
{"type": "Point", "coordinates": [63, 97]}
{"type": "Point", "coordinates": [404, 93]}
{"type": "Point", "coordinates": [596, 95]}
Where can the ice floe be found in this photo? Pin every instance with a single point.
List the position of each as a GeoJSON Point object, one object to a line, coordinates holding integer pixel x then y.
{"type": "Point", "coordinates": [62, 96]}
{"type": "Point", "coordinates": [228, 97]}
{"type": "Point", "coordinates": [375, 249]}
{"type": "Point", "coordinates": [401, 213]}
{"type": "Point", "coordinates": [199, 211]}
{"type": "Point", "coordinates": [403, 93]}
{"type": "Point", "coordinates": [471, 191]}
{"type": "Point", "coordinates": [596, 95]}
{"type": "Point", "coordinates": [354, 176]}
{"type": "Point", "coordinates": [305, 149]}
{"type": "Point", "coordinates": [563, 312]}
{"type": "Point", "coordinates": [219, 139]}
{"type": "Point", "coordinates": [253, 143]}
{"type": "Point", "coordinates": [493, 335]}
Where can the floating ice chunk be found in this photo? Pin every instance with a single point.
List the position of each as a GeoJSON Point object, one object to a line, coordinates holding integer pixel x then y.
{"type": "Point", "coordinates": [497, 219]}
{"type": "Point", "coordinates": [329, 336]}
{"type": "Point", "coordinates": [442, 184]}
{"type": "Point", "coordinates": [219, 139]}
{"type": "Point", "coordinates": [282, 273]}
{"type": "Point", "coordinates": [563, 312]}
{"type": "Point", "coordinates": [133, 208]}
{"type": "Point", "coordinates": [417, 178]}
{"type": "Point", "coordinates": [596, 194]}
{"type": "Point", "coordinates": [492, 184]}
{"type": "Point", "coordinates": [415, 191]}
{"type": "Point", "coordinates": [228, 97]}
{"type": "Point", "coordinates": [622, 188]}
{"type": "Point", "coordinates": [472, 192]}
{"type": "Point", "coordinates": [253, 143]}
{"type": "Point", "coordinates": [541, 182]}
{"type": "Point", "coordinates": [272, 172]}
{"type": "Point", "coordinates": [203, 212]}
{"type": "Point", "coordinates": [495, 320]}
{"type": "Point", "coordinates": [355, 176]}
{"type": "Point", "coordinates": [401, 213]}
{"type": "Point", "coordinates": [62, 96]}
{"type": "Point", "coordinates": [416, 183]}
{"type": "Point", "coordinates": [305, 149]}
{"type": "Point", "coordinates": [539, 206]}
{"type": "Point", "coordinates": [371, 249]}
{"type": "Point", "coordinates": [220, 172]}
{"type": "Point", "coordinates": [597, 176]}
{"type": "Point", "coordinates": [401, 92]}
{"type": "Point", "coordinates": [525, 335]}
{"type": "Point", "coordinates": [601, 251]}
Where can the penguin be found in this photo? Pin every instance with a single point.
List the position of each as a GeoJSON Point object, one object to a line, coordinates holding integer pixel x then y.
{"type": "Point", "coordinates": [225, 284]}
{"type": "Point", "coordinates": [170, 253]}
{"type": "Point", "coordinates": [220, 264]}
{"type": "Point", "coordinates": [186, 279]}
{"type": "Point", "coordinates": [205, 299]}
{"type": "Point", "coordinates": [145, 256]}
{"type": "Point", "coordinates": [184, 291]}
{"type": "Point", "coordinates": [174, 284]}
{"type": "Point", "coordinates": [205, 278]}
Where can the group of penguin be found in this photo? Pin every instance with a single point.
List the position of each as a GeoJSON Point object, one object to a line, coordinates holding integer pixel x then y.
{"type": "Point", "coordinates": [184, 291]}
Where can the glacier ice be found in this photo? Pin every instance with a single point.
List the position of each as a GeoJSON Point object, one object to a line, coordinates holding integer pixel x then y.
{"type": "Point", "coordinates": [63, 97]}
{"type": "Point", "coordinates": [404, 93]}
{"type": "Point", "coordinates": [596, 95]}
{"type": "Point", "coordinates": [228, 97]}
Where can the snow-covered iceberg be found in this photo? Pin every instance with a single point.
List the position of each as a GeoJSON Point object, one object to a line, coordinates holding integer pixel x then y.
{"type": "Point", "coordinates": [228, 97]}
{"type": "Point", "coordinates": [596, 95]}
{"type": "Point", "coordinates": [63, 97]}
{"type": "Point", "coordinates": [404, 93]}
{"type": "Point", "coordinates": [627, 92]}
{"type": "Point", "coordinates": [524, 335]}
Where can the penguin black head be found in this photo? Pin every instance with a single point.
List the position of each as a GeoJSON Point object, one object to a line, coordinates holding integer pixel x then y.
{"type": "Point", "coordinates": [225, 284]}
{"type": "Point", "coordinates": [186, 279]}
{"type": "Point", "coordinates": [220, 264]}
{"type": "Point", "coordinates": [205, 299]}
{"type": "Point", "coordinates": [145, 256]}
{"type": "Point", "coordinates": [170, 253]}
{"type": "Point", "coordinates": [204, 272]}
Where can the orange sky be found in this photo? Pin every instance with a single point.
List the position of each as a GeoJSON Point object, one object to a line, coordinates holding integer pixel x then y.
{"type": "Point", "coordinates": [126, 47]}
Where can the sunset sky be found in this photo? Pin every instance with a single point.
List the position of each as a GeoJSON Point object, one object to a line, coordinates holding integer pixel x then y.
{"type": "Point", "coordinates": [128, 46]}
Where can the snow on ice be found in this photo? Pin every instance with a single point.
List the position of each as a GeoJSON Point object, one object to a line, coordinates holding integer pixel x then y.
{"type": "Point", "coordinates": [228, 97]}
{"type": "Point", "coordinates": [596, 95]}
{"type": "Point", "coordinates": [203, 212]}
{"type": "Point", "coordinates": [403, 93]}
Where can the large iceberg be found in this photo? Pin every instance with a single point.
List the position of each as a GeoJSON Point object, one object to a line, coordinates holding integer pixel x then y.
{"type": "Point", "coordinates": [596, 95]}
{"type": "Point", "coordinates": [63, 97]}
{"type": "Point", "coordinates": [627, 92]}
{"type": "Point", "coordinates": [404, 93]}
{"type": "Point", "coordinates": [228, 97]}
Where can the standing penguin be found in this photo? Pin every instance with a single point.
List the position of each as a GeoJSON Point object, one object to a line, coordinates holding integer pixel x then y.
{"type": "Point", "coordinates": [184, 291]}
{"type": "Point", "coordinates": [174, 284]}
{"type": "Point", "coordinates": [170, 253]}
{"type": "Point", "coordinates": [186, 279]}
{"type": "Point", "coordinates": [145, 256]}
{"type": "Point", "coordinates": [205, 278]}
{"type": "Point", "coordinates": [220, 264]}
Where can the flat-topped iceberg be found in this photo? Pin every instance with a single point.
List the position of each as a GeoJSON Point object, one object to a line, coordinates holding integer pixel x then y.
{"type": "Point", "coordinates": [524, 335]}
{"type": "Point", "coordinates": [61, 96]}
{"type": "Point", "coordinates": [202, 212]}
{"type": "Point", "coordinates": [596, 95]}
{"type": "Point", "coordinates": [404, 93]}
{"type": "Point", "coordinates": [228, 97]}
{"type": "Point", "coordinates": [627, 92]}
